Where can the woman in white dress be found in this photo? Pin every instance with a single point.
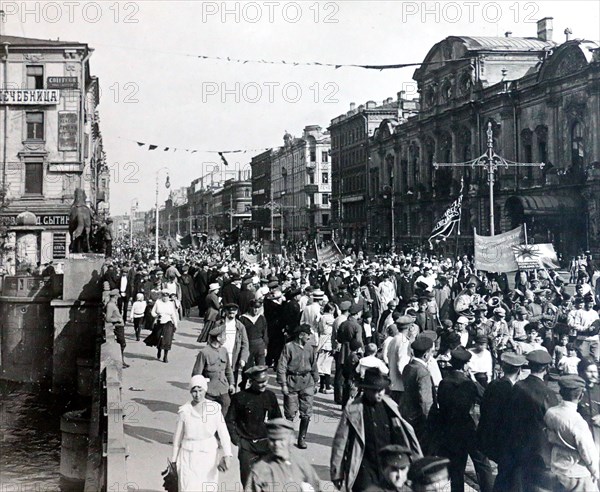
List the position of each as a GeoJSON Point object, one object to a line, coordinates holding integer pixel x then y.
{"type": "Point", "coordinates": [195, 447]}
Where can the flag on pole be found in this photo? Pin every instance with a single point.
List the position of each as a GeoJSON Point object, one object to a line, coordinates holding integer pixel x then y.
{"type": "Point", "coordinates": [451, 217]}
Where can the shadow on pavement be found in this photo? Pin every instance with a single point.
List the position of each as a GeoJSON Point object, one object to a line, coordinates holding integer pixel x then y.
{"type": "Point", "coordinates": [179, 384]}
{"type": "Point", "coordinates": [157, 405]}
{"type": "Point", "coordinates": [148, 434]}
{"type": "Point", "coordinates": [186, 345]}
{"type": "Point", "coordinates": [129, 355]}
{"type": "Point", "coordinates": [319, 439]}
{"type": "Point", "coordinates": [322, 471]}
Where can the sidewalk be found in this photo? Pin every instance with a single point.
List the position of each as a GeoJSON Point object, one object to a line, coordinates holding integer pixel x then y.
{"type": "Point", "coordinates": [153, 391]}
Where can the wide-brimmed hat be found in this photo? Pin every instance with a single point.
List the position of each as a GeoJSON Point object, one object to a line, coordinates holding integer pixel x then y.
{"type": "Point", "coordinates": [373, 379]}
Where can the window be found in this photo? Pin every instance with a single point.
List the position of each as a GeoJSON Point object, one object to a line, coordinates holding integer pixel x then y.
{"type": "Point", "coordinates": [324, 156]}
{"type": "Point", "coordinates": [325, 198]}
{"type": "Point", "coordinates": [313, 155]}
{"type": "Point", "coordinates": [325, 219]}
{"type": "Point", "coordinates": [35, 125]}
{"type": "Point", "coordinates": [325, 178]}
{"type": "Point", "coordinates": [34, 174]}
{"type": "Point", "coordinates": [35, 77]}
{"type": "Point", "coordinates": [311, 178]}
{"type": "Point", "coordinates": [576, 144]}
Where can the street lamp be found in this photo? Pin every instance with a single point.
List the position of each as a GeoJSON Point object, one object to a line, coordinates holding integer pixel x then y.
{"type": "Point", "coordinates": [134, 206]}
{"type": "Point", "coordinates": [167, 185]}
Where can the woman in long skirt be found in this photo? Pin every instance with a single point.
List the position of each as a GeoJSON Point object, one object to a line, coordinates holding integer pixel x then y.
{"type": "Point", "coordinates": [213, 309]}
{"type": "Point", "coordinates": [324, 348]}
{"type": "Point", "coordinates": [196, 450]}
{"type": "Point", "coordinates": [162, 334]}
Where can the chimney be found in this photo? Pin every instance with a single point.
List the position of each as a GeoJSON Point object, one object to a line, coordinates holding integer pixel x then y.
{"type": "Point", "coordinates": [389, 100]}
{"type": "Point", "coordinates": [371, 104]}
{"type": "Point", "coordinates": [544, 29]}
{"type": "Point", "coordinates": [567, 33]}
{"type": "Point", "coordinates": [352, 106]}
{"type": "Point", "coordinates": [401, 95]}
{"type": "Point", "coordinates": [508, 34]}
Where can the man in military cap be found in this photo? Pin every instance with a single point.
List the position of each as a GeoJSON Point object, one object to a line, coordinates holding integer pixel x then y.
{"type": "Point", "coordinates": [113, 315]}
{"type": "Point", "coordinates": [574, 456]}
{"type": "Point", "coordinates": [395, 460]}
{"type": "Point", "coordinates": [457, 394]}
{"type": "Point", "coordinates": [246, 419]}
{"type": "Point", "coordinates": [530, 399]}
{"type": "Point", "coordinates": [429, 474]}
{"type": "Point", "coordinates": [212, 362]}
{"type": "Point", "coordinates": [398, 356]}
{"type": "Point", "coordinates": [495, 412]}
{"type": "Point", "coordinates": [281, 469]}
{"type": "Point", "coordinates": [298, 375]}
{"type": "Point", "coordinates": [417, 398]}
{"type": "Point", "coordinates": [258, 338]}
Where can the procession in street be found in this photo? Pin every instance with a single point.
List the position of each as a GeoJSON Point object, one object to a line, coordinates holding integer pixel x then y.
{"type": "Point", "coordinates": [225, 275]}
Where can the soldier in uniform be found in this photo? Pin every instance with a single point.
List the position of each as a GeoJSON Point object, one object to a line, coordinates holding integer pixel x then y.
{"type": "Point", "coordinates": [246, 419]}
{"type": "Point", "coordinates": [281, 469]}
{"type": "Point", "coordinates": [395, 461]}
{"type": "Point", "coordinates": [298, 375]}
{"type": "Point", "coordinates": [212, 362]}
{"type": "Point", "coordinates": [429, 474]}
{"type": "Point", "coordinates": [530, 399]}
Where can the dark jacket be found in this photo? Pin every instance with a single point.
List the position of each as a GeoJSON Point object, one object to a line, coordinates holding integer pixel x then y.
{"type": "Point", "coordinates": [492, 438]}
{"type": "Point", "coordinates": [417, 397]}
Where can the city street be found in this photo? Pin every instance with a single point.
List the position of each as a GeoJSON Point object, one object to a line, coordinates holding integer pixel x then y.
{"type": "Point", "coordinates": [153, 391]}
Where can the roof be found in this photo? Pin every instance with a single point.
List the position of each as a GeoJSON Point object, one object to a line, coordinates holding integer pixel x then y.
{"type": "Point", "coordinates": [19, 41]}
{"type": "Point", "coordinates": [478, 43]}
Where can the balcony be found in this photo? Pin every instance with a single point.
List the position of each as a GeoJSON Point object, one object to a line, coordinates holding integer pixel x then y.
{"type": "Point", "coordinates": [311, 188]}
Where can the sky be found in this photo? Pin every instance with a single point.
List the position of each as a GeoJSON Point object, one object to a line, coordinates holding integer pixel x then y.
{"type": "Point", "coordinates": [156, 89]}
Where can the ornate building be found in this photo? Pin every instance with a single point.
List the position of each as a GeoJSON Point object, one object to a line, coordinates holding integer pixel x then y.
{"type": "Point", "coordinates": [301, 184]}
{"type": "Point", "coordinates": [50, 144]}
{"type": "Point", "coordinates": [261, 194]}
{"type": "Point", "coordinates": [543, 100]}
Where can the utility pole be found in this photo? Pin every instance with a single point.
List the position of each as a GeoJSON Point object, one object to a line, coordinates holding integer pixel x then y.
{"type": "Point", "coordinates": [271, 208]}
{"type": "Point", "coordinates": [167, 185]}
{"type": "Point", "coordinates": [134, 204]}
{"type": "Point", "coordinates": [231, 211]}
{"type": "Point", "coordinates": [490, 161]}
{"type": "Point", "coordinates": [392, 203]}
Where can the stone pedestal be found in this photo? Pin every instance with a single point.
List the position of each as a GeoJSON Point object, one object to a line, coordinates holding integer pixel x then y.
{"type": "Point", "coordinates": [82, 277]}
{"type": "Point", "coordinates": [77, 319]}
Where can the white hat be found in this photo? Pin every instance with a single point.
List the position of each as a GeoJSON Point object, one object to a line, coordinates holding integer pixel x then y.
{"type": "Point", "coordinates": [463, 319]}
{"type": "Point", "coordinates": [214, 286]}
{"type": "Point", "coordinates": [500, 311]}
{"type": "Point", "coordinates": [199, 380]}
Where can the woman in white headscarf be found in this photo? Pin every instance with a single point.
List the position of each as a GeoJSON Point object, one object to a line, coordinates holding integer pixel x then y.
{"type": "Point", "coordinates": [196, 450]}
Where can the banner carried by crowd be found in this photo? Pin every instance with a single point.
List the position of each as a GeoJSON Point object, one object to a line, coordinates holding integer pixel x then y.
{"type": "Point", "coordinates": [248, 253]}
{"type": "Point", "coordinates": [330, 252]}
{"type": "Point", "coordinates": [534, 256]}
{"type": "Point", "coordinates": [451, 217]}
{"type": "Point", "coordinates": [495, 253]}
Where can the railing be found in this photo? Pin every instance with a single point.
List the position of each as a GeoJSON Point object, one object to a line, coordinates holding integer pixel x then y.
{"type": "Point", "coordinates": [114, 450]}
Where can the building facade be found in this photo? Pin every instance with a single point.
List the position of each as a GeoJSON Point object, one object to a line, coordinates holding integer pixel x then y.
{"type": "Point", "coordinates": [350, 197]}
{"type": "Point", "coordinates": [262, 195]}
{"type": "Point", "coordinates": [543, 102]}
{"type": "Point", "coordinates": [51, 144]}
{"type": "Point", "coordinates": [301, 181]}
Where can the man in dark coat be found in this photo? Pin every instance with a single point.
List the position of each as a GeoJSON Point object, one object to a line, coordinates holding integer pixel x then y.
{"type": "Point", "coordinates": [457, 394]}
{"type": "Point", "coordinates": [492, 438]}
{"type": "Point", "coordinates": [247, 295]}
{"type": "Point", "coordinates": [530, 400]}
{"type": "Point", "coordinates": [201, 285]}
{"type": "Point", "coordinates": [258, 337]}
{"type": "Point", "coordinates": [188, 292]}
{"type": "Point", "coordinates": [274, 314]}
{"type": "Point", "coordinates": [246, 419]}
{"type": "Point", "coordinates": [231, 291]}
{"type": "Point", "coordinates": [417, 397]}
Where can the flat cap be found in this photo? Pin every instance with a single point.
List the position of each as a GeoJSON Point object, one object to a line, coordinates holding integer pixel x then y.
{"type": "Point", "coordinates": [461, 354]}
{"type": "Point", "coordinates": [304, 328]}
{"type": "Point", "coordinates": [273, 284]}
{"type": "Point", "coordinates": [214, 286]}
{"type": "Point", "coordinates": [318, 294]}
{"type": "Point", "coordinates": [355, 309]}
{"type": "Point", "coordinates": [521, 310]}
{"type": "Point", "coordinates": [428, 470]}
{"type": "Point", "coordinates": [541, 357]}
{"type": "Point", "coordinates": [217, 330]}
{"type": "Point", "coordinates": [345, 305]}
{"type": "Point", "coordinates": [231, 306]}
{"type": "Point", "coordinates": [430, 334]}
{"type": "Point", "coordinates": [481, 339]}
{"type": "Point", "coordinates": [258, 373]}
{"type": "Point", "coordinates": [422, 343]}
{"type": "Point", "coordinates": [447, 323]}
{"type": "Point", "coordinates": [247, 281]}
{"type": "Point", "coordinates": [481, 307]}
{"type": "Point", "coordinates": [405, 320]}
{"type": "Point", "coordinates": [500, 311]}
{"type": "Point", "coordinates": [512, 359]}
{"type": "Point", "coordinates": [279, 428]}
{"type": "Point", "coordinates": [571, 381]}
{"type": "Point", "coordinates": [463, 319]}
{"type": "Point", "coordinates": [395, 455]}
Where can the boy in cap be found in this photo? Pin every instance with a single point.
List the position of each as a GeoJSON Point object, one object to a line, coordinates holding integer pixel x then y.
{"type": "Point", "coordinates": [457, 395]}
{"type": "Point", "coordinates": [395, 460]}
{"type": "Point", "coordinates": [298, 375]}
{"type": "Point", "coordinates": [530, 400]}
{"type": "Point", "coordinates": [281, 469]}
{"type": "Point", "coordinates": [429, 474]}
{"type": "Point", "coordinates": [574, 457]}
{"type": "Point", "coordinates": [246, 419]}
{"type": "Point", "coordinates": [494, 414]}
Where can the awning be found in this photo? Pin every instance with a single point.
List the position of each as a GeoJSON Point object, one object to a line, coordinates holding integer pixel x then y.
{"type": "Point", "coordinates": [544, 205]}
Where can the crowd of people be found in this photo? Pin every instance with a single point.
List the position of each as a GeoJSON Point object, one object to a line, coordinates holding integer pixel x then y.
{"type": "Point", "coordinates": [432, 360]}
